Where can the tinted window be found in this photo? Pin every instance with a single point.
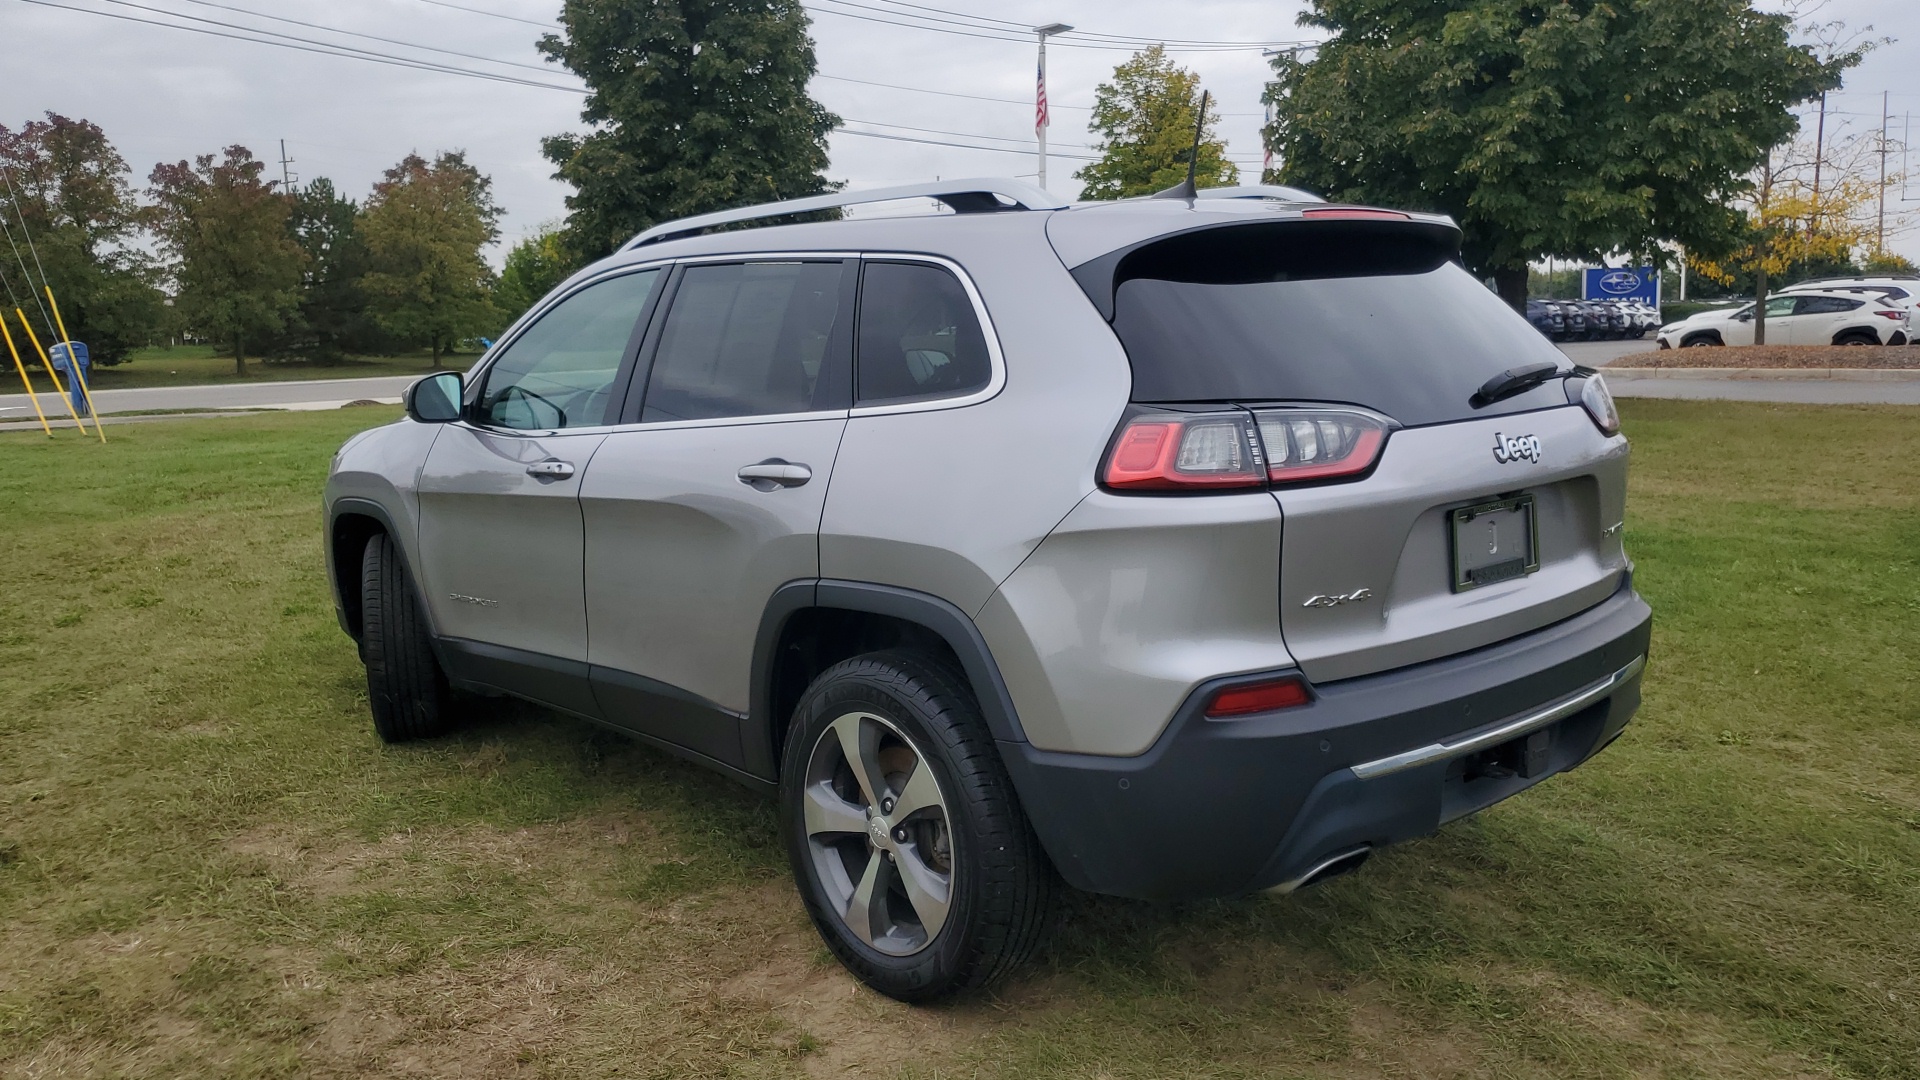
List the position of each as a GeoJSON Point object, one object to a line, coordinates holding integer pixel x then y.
{"type": "Point", "coordinates": [750, 339]}
{"type": "Point", "coordinates": [1780, 307]}
{"type": "Point", "coordinates": [1825, 305]}
{"type": "Point", "coordinates": [560, 372]}
{"type": "Point", "coordinates": [919, 337]}
{"type": "Point", "coordinates": [1405, 333]}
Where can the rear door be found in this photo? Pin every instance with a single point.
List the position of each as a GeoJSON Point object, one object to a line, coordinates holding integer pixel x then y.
{"type": "Point", "coordinates": [1817, 319]}
{"type": "Point", "coordinates": [1479, 521]}
{"type": "Point", "coordinates": [707, 498]}
{"type": "Point", "coordinates": [500, 528]}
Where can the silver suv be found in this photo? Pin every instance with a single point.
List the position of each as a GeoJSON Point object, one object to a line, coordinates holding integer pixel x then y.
{"type": "Point", "coordinates": [1131, 544]}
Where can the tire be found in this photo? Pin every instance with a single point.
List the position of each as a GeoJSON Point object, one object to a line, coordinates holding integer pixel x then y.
{"type": "Point", "coordinates": [406, 689]}
{"type": "Point", "coordinates": [912, 720]}
{"type": "Point", "coordinates": [1856, 338]}
{"type": "Point", "coordinates": [1701, 341]}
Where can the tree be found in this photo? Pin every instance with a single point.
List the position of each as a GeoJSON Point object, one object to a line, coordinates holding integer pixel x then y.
{"type": "Point", "coordinates": [236, 267]}
{"type": "Point", "coordinates": [424, 228]}
{"type": "Point", "coordinates": [694, 106]}
{"type": "Point", "coordinates": [68, 185]}
{"type": "Point", "coordinates": [534, 267]}
{"type": "Point", "coordinates": [1145, 118]}
{"type": "Point", "coordinates": [1565, 128]}
{"type": "Point", "coordinates": [1792, 228]}
{"type": "Point", "coordinates": [333, 317]}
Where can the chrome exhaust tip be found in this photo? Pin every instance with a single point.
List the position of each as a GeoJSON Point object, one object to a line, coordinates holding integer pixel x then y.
{"type": "Point", "coordinates": [1333, 866]}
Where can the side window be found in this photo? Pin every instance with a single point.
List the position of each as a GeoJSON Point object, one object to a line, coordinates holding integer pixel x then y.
{"type": "Point", "coordinates": [1825, 305]}
{"type": "Point", "coordinates": [1780, 307]}
{"type": "Point", "coordinates": [560, 372]}
{"type": "Point", "coordinates": [751, 339]}
{"type": "Point", "coordinates": [919, 337]}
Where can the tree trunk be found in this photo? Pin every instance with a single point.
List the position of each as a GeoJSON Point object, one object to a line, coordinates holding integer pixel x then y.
{"type": "Point", "coordinates": [1511, 282]}
{"type": "Point", "coordinates": [435, 346]}
{"type": "Point", "coordinates": [239, 357]}
{"type": "Point", "coordinates": [1760, 306]}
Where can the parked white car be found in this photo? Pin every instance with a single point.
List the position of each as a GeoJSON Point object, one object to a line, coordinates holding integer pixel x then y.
{"type": "Point", "coordinates": [1823, 317]}
{"type": "Point", "coordinates": [1900, 290]}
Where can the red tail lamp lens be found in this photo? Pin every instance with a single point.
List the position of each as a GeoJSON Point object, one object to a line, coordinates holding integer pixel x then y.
{"type": "Point", "coordinates": [1319, 444]}
{"type": "Point", "coordinates": [1173, 452]}
{"type": "Point", "coordinates": [1287, 693]}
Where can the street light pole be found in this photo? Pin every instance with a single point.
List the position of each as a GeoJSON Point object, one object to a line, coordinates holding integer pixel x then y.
{"type": "Point", "coordinates": [1041, 117]}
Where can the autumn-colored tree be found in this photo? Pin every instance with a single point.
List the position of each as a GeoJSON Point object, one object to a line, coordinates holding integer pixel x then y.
{"type": "Point", "coordinates": [236, 266]}
{"type": "Point", "coordinates": [1791, 223]}
{"type": "Point", "coordinates": [533, 268]}
{"type": "Point", "coordinates": [1145, 118]}
{"type": "Point", "coordinates": [424, 228]}
{"type": "Point", "coordinates": [68, 185]}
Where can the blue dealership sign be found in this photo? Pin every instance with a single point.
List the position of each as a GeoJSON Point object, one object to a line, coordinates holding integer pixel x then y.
{"type": "Point", "coordinates": [1606, 283]}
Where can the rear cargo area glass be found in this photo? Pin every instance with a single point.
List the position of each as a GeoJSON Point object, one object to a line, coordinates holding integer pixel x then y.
{"type": "Point", "coordinates": [1326, 314]}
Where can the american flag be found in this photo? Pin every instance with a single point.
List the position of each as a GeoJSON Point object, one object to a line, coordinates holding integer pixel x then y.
{"type": "Point", "coordinates": [1040, 119]}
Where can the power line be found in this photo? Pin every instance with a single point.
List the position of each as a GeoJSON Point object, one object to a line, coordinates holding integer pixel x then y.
{"type": "Point", "coordinates": [492, 14]}
{"type": "Point", "coordinates": [1026, 29]}
{"type": "Point", "coordinates": [546, 68]}
{"type": "Point", "coordinates": [962, 146]}
{"type": "Point", "coordinates": [988, 33]}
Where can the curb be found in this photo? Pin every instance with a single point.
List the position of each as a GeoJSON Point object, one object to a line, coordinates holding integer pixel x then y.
{"type": "Point", "coordinates": [1791, 374]}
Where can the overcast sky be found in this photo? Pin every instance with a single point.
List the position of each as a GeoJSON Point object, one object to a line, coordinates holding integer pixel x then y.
{"type": "Point", "coordinates": [165, 94]}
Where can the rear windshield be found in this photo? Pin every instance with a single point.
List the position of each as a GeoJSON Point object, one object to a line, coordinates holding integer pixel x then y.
{"type": "Point", "coordinates": [1305, 313]}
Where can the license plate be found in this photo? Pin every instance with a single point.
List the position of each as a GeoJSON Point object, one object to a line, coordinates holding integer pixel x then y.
{"type": "Point", "coordinates": [1494, 542]}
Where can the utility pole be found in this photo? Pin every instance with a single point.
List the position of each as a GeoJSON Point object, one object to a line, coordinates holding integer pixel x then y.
{"type": "Point", "coordinates": [1041, 119]}
{"type": "Point", "coordinates": [286, 178]}
{"type": "Point", "coordinates": [1880, 232]}
{"type": "Point", "coordinates": [1819, 151]}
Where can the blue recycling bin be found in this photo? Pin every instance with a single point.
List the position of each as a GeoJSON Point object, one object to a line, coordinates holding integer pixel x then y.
{"type": "Point", "coordinates": [65, 355]}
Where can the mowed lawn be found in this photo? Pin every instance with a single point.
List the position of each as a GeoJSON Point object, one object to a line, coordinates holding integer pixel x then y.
{"type": "Point", "coordinates": [200, 365]}
{"type": "Point", "coordinates": [210, 867]}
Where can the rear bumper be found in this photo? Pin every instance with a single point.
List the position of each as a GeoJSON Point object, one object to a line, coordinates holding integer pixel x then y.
{"type": "Point", "coordinates": [1219, 808]}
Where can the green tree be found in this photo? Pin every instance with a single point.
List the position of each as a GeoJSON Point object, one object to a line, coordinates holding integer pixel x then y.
{"type": "Point", "coordinates": [533, 268]}
{"type": "Point", "coordinates": [1145, 118]}
{"type": "Point", "coordinates": [236, 267]}
{"type": "Point", "coordinates": [333, 318]}
{"type": "Point", "coordinates": [424, 228]}
{"type": "Point", "coordinates": [69, 186]}
{"type": "Point", "coordinates": [1570, 128]}
{"type": "Point", "coordinates": [694, 106]}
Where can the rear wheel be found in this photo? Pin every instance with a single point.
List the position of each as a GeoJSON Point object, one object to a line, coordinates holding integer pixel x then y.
{"type": "Point", "coordinates": [912, 856]}
{"type": "Point", "coordinates": [406, 689]}
{"type": "Point", "coordinates": [1856, 338]}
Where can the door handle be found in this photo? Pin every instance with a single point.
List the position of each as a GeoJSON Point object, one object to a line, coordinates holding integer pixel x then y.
{"type": "Point", "coordinates": [551, 469]}
{"type": "Point", "coordinates": [774, 473]}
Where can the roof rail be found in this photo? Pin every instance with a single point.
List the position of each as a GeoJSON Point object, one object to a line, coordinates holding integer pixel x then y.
{"type": "Point", "coordinates": [1260, 191]}
{"type": "Point", "coordinates": [976, 196]}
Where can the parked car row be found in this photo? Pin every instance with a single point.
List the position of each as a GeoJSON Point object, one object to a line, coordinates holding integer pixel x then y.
{"type": "Point", "coordinates": [1592, 320]}
{"type": "Point", "coordinates": [1801, 316]}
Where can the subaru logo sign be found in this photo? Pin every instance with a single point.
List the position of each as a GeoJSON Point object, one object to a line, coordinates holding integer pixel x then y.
{"type": "Point", "coordinates": [1639, 283]}
{"type": "Point", "coordinates": [1620, 282]}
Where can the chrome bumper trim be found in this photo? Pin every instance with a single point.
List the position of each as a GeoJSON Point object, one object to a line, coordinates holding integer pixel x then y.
{"type": "Point", "coordinates": [1512, 729]}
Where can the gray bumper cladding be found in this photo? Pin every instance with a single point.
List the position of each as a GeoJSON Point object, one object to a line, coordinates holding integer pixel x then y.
{"type": "Point", "coordinates": [1220, 808]}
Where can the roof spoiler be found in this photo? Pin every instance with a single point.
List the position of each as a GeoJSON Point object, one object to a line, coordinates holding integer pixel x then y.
{"type": "Point", "coordinates": [975, 196]}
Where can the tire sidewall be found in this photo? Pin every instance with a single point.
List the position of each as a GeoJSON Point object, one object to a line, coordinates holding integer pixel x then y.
{"type": "Point", "coordinates": [945, 963]}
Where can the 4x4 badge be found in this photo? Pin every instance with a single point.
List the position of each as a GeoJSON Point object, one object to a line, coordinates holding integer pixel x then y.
{"type": "Point", "coordinates": [1337, 599]}
{"type": "Point", "coordinates": [1519, 447]}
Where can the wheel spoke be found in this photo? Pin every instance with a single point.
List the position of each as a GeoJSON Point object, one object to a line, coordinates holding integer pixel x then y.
{"type": "Point", "coordinates": [919, 792]}
{"type": "Point", "coordinates": [929, 892]}
{"type": "Point", "coordinates": [828, 813]}
{"type": "Point", "coordinates": [866, 912]}
{"type": "Point", "coordinates": [860, 742]}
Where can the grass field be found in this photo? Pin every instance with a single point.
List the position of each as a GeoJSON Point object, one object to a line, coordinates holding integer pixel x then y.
{"type": "Point", "coordinates": [196, 365]}
{"type": "Point", "coordinates": [208, 865]}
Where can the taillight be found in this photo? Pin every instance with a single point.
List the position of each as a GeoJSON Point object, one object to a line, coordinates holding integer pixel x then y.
{"type": "Point", "coordinates": [1319, 444]}
{"type": "Point", "coordinates": [1896, 316]}
{"type": "Point", "coordinates": [1179, 451]}
{"type": "Point", "coordinates": [1598, 401]}
{"type": "Point", "coordinates": [1239, 450]}
{"type": "Point", "coordinates": [1284, 693]}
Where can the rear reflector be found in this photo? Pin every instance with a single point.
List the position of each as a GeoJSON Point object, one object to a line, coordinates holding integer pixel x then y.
{"type": "Point", "coordinates": [1287, 693]}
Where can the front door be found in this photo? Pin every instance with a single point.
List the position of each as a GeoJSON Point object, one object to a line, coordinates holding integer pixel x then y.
{"type": "Point", "coordinates": [501, 538]}
{"type": "Point", "coordinates": [709, 498]}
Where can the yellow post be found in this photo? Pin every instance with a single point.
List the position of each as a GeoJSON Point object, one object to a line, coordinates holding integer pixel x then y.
{"type": "Point", "coordinates": [51, 374]}
{"type": "Point", "coordinates": [24, 381]}
{"type": "Point", "coordinates": [73, 362]}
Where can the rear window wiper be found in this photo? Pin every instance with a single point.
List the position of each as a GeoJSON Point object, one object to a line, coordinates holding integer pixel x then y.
{"type": "Point", "coordinates": [1516, 381]}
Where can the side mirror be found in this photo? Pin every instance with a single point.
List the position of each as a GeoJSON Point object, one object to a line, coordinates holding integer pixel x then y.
{"type": "Point", "coordinates": [1745, 316]}
{"type": "Point", "coordinates": [435, 399]}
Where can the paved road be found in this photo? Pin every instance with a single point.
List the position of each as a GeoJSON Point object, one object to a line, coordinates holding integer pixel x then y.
{"type": "Point", "coordinates": [304, 394]}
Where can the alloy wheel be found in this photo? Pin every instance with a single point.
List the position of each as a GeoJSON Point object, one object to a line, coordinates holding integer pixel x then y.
{"type": "Point", "coordinates": [879, 833]}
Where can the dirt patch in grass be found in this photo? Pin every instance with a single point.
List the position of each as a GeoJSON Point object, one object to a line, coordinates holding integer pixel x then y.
{"type": "Point", "coordinates": [1778, 356]}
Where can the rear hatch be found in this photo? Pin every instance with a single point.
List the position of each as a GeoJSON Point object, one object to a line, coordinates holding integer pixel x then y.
{"type": "Point", "coordinates": [1472, 521]}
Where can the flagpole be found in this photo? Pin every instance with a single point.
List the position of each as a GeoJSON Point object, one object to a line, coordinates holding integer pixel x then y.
{"type": "Point", "coordinates": [1041, 114]}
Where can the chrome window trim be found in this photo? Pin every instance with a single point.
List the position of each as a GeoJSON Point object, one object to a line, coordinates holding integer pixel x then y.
{"type": "Point", "coordinates": [996, 358]}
